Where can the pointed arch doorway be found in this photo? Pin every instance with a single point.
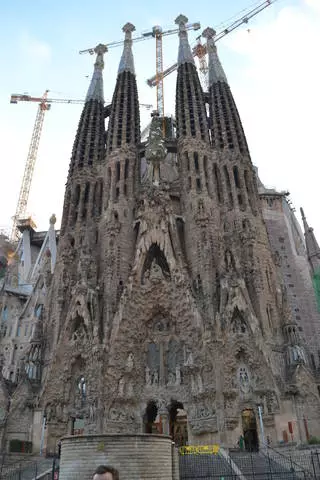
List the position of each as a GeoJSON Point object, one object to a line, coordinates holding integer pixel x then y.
{"type": "Point", "coordinates": [178, 423]}
{"type": "Point", "coordinates": [250, 430]}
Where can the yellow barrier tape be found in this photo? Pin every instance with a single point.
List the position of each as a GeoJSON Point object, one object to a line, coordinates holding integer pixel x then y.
{"type": "Point", "coordinates": [199, 449]}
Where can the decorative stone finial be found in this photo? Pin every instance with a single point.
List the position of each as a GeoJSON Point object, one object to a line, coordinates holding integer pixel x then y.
{"type": "Point", "coordinates": [216, 73]}
{"type": "Point", "coordinates": [209, 33]}
{"type": "Point", "coordinates": [53, 219]}
{"type": "Point", "coordinates": [128, 28]}
{"type": "Point", "coordinates": [181, 20]}
{"type": "Point", "coordinates": [126, 62]}
{"type": "Point", "coordinates": [185, 53]}
{"type": "Point", "coordinates": [101, 49]}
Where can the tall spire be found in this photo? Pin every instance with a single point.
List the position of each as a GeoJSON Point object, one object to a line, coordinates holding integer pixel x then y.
{"type": "Point", "coordinates": [216, 72]}
{"type": "Point", "coordinates": [190, 105]}
{"type": "Point", "coordinates": [226, 128]}
{"type": "Point", "coordinates": [313, 249]}
{"type": "Point", "coordinates": [124, 121]}
{"type": "Point", "coordinates": [126, 62]}
{"type": "Point", "coordinates": [95, 91]}
{"type": "Point", "coordinates": [185, 53]}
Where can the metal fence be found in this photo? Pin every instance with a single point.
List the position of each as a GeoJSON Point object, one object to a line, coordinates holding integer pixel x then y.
{"type": "Point", "coordinates": [30, 470]}
{"type": "Point", "coordinates": [267, 464]}
{"type": "Point", "coordinates": [19, 471]}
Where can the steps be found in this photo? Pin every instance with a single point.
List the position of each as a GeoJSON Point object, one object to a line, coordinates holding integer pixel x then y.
{"type": "Point", "coordinates": [260, 466]}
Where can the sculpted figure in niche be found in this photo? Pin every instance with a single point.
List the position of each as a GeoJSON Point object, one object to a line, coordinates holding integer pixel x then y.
{"type": "Point", "coordinates": [178, 375]}
{"type": "Point", "coordinates": [148, 376]}
{"type": "Point", "coordinates": [189, 359]}
{"type": "Point", "coordinates": [238, 324]}
{"type": "Point", "coordinates": [130, 362]}
{"type": "Point", "coordinates": [155, 378]}
{"type": "Point", "coordinates": [244, 380]}
{"type": "Point", "coordinates": [229, 261]}
{"type": "Point", "coordinates": [121, 387]}
{"type": "Point", "coordinates": [171, 379]}
{"type": "Point", "coordinates": [156, 274]}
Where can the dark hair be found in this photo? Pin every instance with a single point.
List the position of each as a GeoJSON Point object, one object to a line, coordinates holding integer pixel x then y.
{"type": "Point", "coordinates": [104, 469]}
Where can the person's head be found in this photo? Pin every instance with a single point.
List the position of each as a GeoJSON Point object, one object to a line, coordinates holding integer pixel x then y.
{"type": "Point", "coordinates": [105, 473]}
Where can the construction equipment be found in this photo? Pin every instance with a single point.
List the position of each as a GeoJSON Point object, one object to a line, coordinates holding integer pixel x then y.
{"type": "Point", "coordinates": [44, 105]}
{"type": "Point", "coordinates": [156, 33]}
{"type": "Point", "coordinates": [200, 50]}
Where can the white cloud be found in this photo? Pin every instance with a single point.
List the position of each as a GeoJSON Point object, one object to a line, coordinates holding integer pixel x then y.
{"type": "Point", "coordinates": [277, 92]}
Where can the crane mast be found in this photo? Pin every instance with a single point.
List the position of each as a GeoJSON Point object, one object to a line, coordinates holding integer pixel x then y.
{"type": "Point", "coordinates": [29, 166]}
{"type": "Point", "coordinates": [158, 34]}
{"type": "Point", "coordinates": [44, 105]}
{"type": "Point", "coordinates": [200, 50]}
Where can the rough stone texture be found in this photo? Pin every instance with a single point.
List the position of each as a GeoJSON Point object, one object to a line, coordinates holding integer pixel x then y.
{"type": "Point", "coordinates": [289, 251]}
{"type": "Point", "coordinates": [138, 457]}
{"type": "Point", "coordinates": [169, 309]}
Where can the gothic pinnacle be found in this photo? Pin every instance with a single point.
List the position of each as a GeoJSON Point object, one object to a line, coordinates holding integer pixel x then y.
{"type": "Point", "coordinates": [126, 62]}
{"type": "Point", "coordinates": [185, 53]}
{"type": "Point", "coordinates": [95, 91]}
{"type": "Point", "coordinates": [216, 73]}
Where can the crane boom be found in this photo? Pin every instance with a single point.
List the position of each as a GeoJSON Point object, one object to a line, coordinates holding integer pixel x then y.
{"type": "Point", "coordinates": [156, 33]}
{"type": "Point", "coordinates": [152, 82]}
{"type": "Point", "coordinates": [44, 105]}
{"type": "Point", "coordinates": [17, 97]}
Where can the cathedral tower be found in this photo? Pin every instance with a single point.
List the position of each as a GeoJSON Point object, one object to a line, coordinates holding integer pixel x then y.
{"type": "Point", "coordinates": [198, 193]}
{"type": "Point", "coordinates": [123, 140]}
{"type": "Point", "coordinates": [166, 312]}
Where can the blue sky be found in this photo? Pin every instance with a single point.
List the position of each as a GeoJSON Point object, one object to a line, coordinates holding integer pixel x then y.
{"type": "Point", "coordinates": [272, 70]}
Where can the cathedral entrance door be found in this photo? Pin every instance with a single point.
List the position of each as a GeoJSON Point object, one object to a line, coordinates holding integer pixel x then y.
{"type": "Point", "coordinates": [178, 424]}
{"type": "Point", "coordinates": [152, 419]}
{"type": "Point", "coordinates": [250, 431]}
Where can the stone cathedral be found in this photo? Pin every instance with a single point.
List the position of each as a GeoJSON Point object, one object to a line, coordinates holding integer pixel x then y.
{"type": "Point", "coordinates": [167, 311]}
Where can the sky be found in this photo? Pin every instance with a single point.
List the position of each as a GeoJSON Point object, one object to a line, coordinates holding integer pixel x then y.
{"type": "Point", "coordinates": [272, 65]}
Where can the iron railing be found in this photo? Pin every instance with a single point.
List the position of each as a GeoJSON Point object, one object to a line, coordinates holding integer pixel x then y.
{"type": "Point", "coordinates": [267, 464]}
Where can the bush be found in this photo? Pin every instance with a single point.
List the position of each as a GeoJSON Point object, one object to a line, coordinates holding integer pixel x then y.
{"type": "Point", "coordinates": [314, 441]}
{"type": "Point", "coordinates": [20, 446]}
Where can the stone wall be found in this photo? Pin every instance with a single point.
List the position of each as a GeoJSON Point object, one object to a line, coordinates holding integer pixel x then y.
{"type": "Point", "coordinates": [137, 457]}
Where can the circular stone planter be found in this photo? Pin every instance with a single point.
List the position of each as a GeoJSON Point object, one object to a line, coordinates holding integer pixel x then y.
{"type": "Point", "coordinates": [137, 457]}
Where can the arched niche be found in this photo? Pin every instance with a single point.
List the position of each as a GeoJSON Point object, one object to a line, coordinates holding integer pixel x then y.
{"type": "Point", "coordinates": [238, 324]}
{"type": "Point", "coordinates": [155, 264]}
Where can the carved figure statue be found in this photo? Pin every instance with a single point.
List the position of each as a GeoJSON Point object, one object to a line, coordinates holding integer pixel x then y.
{"type": "Point", "coordinates": [148, 376]}
{"type": "Point", "coordinates": [244, 380]}
{"type": "Point", "coordinates": [171, 379]}
{"type": "Point", "coordinates": [178, 375]}
{"type": "Point", "coordinates": [156, 151]}
{"type": "Point", "coordinates": [121, 387]}
{"type": "Point", "coordinates": [189, 360]}
{"type": "Point", "coordinates": [130, 361]}
{"type": "Point", "coordinates": [155, 378]}
{"type": "Point", "coordinates": [156, 274]}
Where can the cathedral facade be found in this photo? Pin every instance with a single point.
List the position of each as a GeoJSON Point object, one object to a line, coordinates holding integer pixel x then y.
{"type": "Point", "coordinates": [167, 311]}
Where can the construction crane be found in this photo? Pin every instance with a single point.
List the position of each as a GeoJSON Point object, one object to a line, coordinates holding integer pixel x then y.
{"type": "Point", "coordinates": [200, 50]}
{"type": "Point", "coordinates": [156, 33]}
{"type": "Point", "coordinates": [44, 105]}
